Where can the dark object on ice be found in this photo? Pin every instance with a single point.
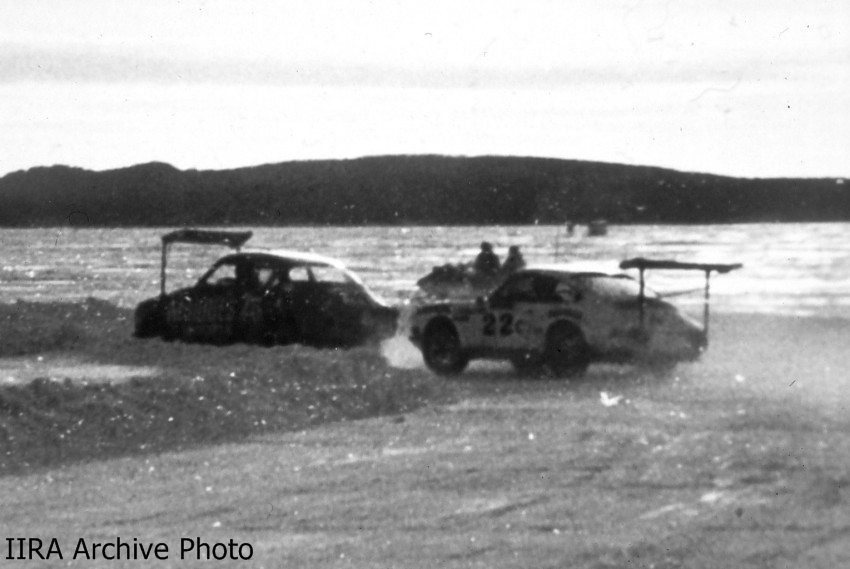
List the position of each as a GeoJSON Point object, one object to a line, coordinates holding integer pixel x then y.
{"type": "Point", "coordinates": [597, 228]}
{"type": "Point", "coordinates": [265, 297]}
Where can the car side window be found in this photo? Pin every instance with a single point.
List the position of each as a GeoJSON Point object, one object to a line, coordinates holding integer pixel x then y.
{"type": "Point", "coordinates": [545, 289]}
{"type": "Point", "coordinates": [328, 274]}
{"type": "Point", "coordinates": [569, 291]}
{"type": "Point", "coordinates": [299, 275]}
{"type": "Point", "coordinates": [247, 277]}
{"type": "Point", "coordinates": [278, 279]}
{"type": "Point", "coordinates": [264, 276]}
{"type": "Point", "coordinates": [515, 289]}
{"type": "Point", "coordinates": [223, 275]}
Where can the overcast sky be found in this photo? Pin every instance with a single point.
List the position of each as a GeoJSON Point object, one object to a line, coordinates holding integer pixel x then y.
{"type": "Point", "coordinates": [746, 88]}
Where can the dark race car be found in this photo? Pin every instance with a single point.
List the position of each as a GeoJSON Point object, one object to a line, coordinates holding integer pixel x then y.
{"type": "Point", "coordinates": [555, 318]}
{"type": "Point", "coordinates": [266, 297]}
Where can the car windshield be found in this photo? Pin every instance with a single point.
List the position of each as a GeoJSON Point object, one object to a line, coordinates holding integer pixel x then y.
{"type": "Point", "coordinates": [220, 275]}
{"type": "Point", "coordinates": [619, 287]}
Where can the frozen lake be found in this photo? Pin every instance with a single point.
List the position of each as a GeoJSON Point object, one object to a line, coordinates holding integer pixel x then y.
{"type": "Point", "coordinates": [800, 269]}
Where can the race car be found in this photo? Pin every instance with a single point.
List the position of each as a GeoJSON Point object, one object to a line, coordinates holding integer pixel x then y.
{"type": "Point", "coordinates": [556, 318]}
{"type": "Point", "coordinates": [265, 296]}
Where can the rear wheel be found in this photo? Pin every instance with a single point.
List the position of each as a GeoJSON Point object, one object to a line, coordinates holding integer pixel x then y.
{"type": "Point", "coordinates": [567, 352]}
{"type": "Point", "coordinates": [442, 350]}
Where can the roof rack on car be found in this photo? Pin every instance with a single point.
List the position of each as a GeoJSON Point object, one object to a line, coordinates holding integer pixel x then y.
{"type": "Point", "coordinates": [232, 239]}
{"type": "Point", "coordinates": [642, 264]}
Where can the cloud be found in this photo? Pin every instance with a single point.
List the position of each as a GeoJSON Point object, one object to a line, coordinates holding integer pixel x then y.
{"type": "Point", "coordinates": [441, 43]}
{"type": "Point", "coordinates": [116, 64]}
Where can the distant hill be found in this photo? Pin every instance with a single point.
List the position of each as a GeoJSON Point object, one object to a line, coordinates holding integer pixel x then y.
{"type": "Point", "coordinates": [389, 190]}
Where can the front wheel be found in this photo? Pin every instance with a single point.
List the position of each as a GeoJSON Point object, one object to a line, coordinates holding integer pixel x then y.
{"type": "Point", "coordinates": [567, 352]}
{"type": "Point", "coordinates": [442, 350]}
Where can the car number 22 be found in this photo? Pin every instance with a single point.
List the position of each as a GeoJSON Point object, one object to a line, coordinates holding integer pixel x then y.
{"type": "Point", "coordinates": [501, 324]}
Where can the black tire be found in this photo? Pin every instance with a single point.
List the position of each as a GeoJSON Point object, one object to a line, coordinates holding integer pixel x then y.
{"type": "Point", "coordinates": [442, 351]}
{"type": "Point", "coordinates": [567, 352]}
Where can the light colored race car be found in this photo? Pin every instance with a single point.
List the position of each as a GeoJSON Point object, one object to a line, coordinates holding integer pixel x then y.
{"type": "Point", "coordinates": [551, 317]}
{"type": "Point", "coordinates": [265, 296]}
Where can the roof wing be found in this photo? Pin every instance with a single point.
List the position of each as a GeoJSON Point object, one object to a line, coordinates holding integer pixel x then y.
{"type": "Point", "coordinates": [232, 239]}
{"type": "Point", "coordinates": [642, 264]}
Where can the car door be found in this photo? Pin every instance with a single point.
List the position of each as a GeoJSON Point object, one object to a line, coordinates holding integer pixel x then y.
{"type": "Point", "coordinates": [305, 306]}
{"type": "Point", "coordinates": [255, 303]}
{"type": "Point", "coordinates": [333, 319]}
{"type": "Point", "coordinates": [512, 316]}
{"type": "Point", "coordinates": [215, 302]}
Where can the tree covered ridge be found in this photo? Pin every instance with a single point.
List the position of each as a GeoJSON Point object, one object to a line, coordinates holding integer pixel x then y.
{"type": "Point", "coordinates": [387, 190]}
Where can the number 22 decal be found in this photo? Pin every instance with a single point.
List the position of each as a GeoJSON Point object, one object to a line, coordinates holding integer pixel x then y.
{"type": "Point", "coordinates": [505, 320]}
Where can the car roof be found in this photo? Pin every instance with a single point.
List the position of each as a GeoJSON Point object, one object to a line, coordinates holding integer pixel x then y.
{"type": "Point", "coordinates": [293, 257]}
{"type": "Point", "coordinates": [613, 285]}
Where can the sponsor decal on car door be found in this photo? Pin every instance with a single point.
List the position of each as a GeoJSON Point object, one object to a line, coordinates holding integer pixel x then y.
{"type": "Point", "coordinates": [506, 328]}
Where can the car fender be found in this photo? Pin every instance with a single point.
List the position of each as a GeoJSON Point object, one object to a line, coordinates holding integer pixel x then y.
{"type": "Point", "coordinates": [420, 326]}
{"type": "Point", "coordinates": [149, 318]}
{"type": "Point", "coordinates": [568, 323]}
{"type": "Point", "coordinates": [441, 320]}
